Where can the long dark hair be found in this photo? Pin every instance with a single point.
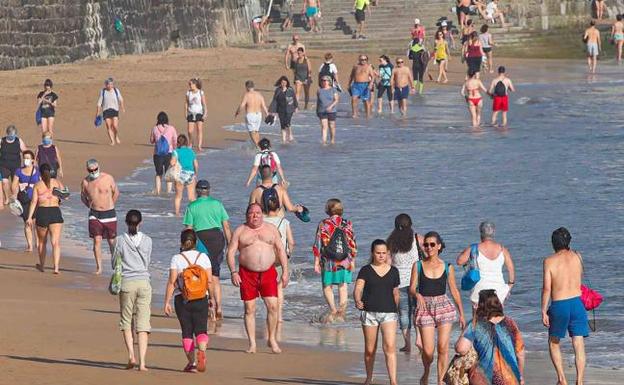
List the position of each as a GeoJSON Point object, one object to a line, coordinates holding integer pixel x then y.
{"type": "Point", "coordinates": [133, 218]}
{"type": "Point", "coordinates": [489, 305]}
{"type": "Point", "coordinates": [402, 237]}
{"type": "Point", "coordinates": [162, 118]}
{"type": "Point", "coordinates": [188, 240]}
{"type": "Point", "coordinates": [46, 174]}
{"type": "Point", "coordinates": [278, 83]}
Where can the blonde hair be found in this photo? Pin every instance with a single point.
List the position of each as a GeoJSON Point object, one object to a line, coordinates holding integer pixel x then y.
{"type": "Point", "coordinates": [334, 207]}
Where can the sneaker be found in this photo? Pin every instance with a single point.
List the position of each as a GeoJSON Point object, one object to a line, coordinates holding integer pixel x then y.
{"type": "Point", "coordinates": [201, 360]}
{"type": "Point", "coordinates": [190, 368]}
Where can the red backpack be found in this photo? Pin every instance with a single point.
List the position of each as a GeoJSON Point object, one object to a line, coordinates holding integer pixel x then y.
{"type": "Point", "coordinates": [267, 159]}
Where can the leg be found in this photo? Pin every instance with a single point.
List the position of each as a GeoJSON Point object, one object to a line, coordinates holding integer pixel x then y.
{"type": "Point", "coordinates": [332, 132]}
{"type": "Point", "coordinates": [494, 117]}
{"type": "Point", "coordinates": [200, 135]}
{"type": "Point", "coordinates": [157, 185]}
{"type": "Point", "coordinates": [97, 253]}
{"type": "Point", "coordinates": [444, 335]}
{"type": "Point", "coordinates": [284, 136]}
{"type": "Point", "coordinates": [404, 319]}
{"type": "Point", "coordinates": [306, 92]}
{"type": "Point", "coordinates": [404, 107]}
{"type": "Point", "coordinates": [343, 297]}
{"type": "Point", "coordinates": [298, 89]}
{"type": "Point", "coordinates": [116, 129]}
{"type": "Point", "coordinates": [579, 357]}
{"type": "Point", "coordinates": [50, 124]}
{"type": "Point", "coordinates": [179, 189]}
{"type": "Point", "coordinates": [428, 341]}
{"type": "Point", "coordinates": [190, 127]}
{"type": "Point", "coordinates": [324, 125]}
{"type": "Point", "coordinates": [271, 306]}
{"type": "Point", "coordinates": [370, 348]}
{"type": "Point", "coordinates": [55, 237]}
{"type": "Point", "coordinates": [129, 341]}
{"type": "Point", "coordinates": [215, 290]}
{"type": "Point", "coordinates": [490, 62]}
{"type": "Point", "coordinates": [328, 293]}
{"type": "Point", "coordinates": [388, 335]}
{"type": "Point", "coordinates": [255, 137]}
{"type": "Point", "coordinates": [354, 106]}
{"type": "Point", "coordinates": [473, 113]}
{"type": "Point", "coordinates": [42, 237]}
{"type": "Point", "coordinates": [143, 339]}
{"type": "Point", "coordinates": [109, 129]}
{"type": "Point", "coordinates": [555, 356]}
{"type": "Point", "coordinates": [190, 191]}
{"type": "Point", "coordinates": [28, 234]}
{"type": "Point", "coordinates": [250, 324]}
{"type": "Point", "coordinates": [504, 118]}
{"type": "Point", "coordinates": [478, 111]}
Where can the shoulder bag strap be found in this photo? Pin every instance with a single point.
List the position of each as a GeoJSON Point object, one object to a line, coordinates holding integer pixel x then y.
{"type": "Point", "coordinates": [198, 255]}
{"type": "Point", "coordinates": [184, 256]}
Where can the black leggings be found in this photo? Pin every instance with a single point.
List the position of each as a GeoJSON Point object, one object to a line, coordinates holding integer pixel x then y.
{"type": "Point", "coordinates": [418, 69]}
{"type": "Point", "coordinates": [193, 316]}
{"type": "Point", "coordinates": [214, 241]}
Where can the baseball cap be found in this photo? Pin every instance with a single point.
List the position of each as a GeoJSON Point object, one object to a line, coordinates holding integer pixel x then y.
{"type": "Point", "coordinates": [443, 24]}
{"type": "Point", "coordinates": [416, 21]}
{"type": "Point", "coordinates": [202, 184]}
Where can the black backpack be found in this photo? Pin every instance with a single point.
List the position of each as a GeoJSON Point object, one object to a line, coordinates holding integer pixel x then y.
{"type": "Point", "coordinates": [338, 246]}
{"type": "Point", "coordinates": [326, 71]}
{"type": "Point", "coordinates": [500, 89]}
{"type": "Point", "coordinates": [268, 194]}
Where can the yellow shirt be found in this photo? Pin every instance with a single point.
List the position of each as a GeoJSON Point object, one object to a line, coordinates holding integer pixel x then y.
{"type": "Point", "coordinates": [361, 4]}
{"type": "Point", "coordinates": [440, 50]}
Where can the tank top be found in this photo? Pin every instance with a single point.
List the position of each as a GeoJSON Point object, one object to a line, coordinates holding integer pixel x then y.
{"type": "Point", "coordinates": [195, 102]}
{"type": "Point", "coordinates": [440, 50]}
{"type": "Point", "coordinates": [484, 38]}
{"type": "Point", "coordinates": [301, 70]}
{"type": "Point", "coordinates": [473, 50]}
{"type": "Point", "coordinates": [47, 155]}
{"type": "Point", "coordinates": [404, 262]}
{"type": "Point", "coordinates": [10, 153]}
{"type": "Point", "coordinates": [432, 287]}
{"type": "Point", "coordinates": [491, 270]}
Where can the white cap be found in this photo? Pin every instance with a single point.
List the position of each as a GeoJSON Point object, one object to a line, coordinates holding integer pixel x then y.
{"type": "Point", "coordinates": [443, 24]}
{"type": "Point", "coordinates": [416, 21]}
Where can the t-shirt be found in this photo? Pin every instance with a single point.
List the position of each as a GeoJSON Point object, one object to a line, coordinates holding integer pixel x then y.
{"type": "Point", "coordinates": [361, 4]}
{"type": "Point", "coordinates": [490, 9]}
{"type": "Point", "coordinates": [378, 291]}
{"type": "Point", "coordinates": [205, 213]}
{"type": "Point", "coordinates": [325, 98]}
{"type": "Point", "coordinates": [194, 100]}
{"type": "Point", "coordinates": [111, 99]}
{"type": "Point", "coordinates": [169, 133]}
{"type": "Point", "coordinates": [24, 178]}
{"type": "Point", "coordinates": [186, 157]}
{"type": "Point", "coordinates": [282, 225]}
{"type": "Point", "coordinates": [258, 158]}
{"type": "Point", "coordinates": [51, 97]}
{"type": "Point", "coordinates": [179, 264]}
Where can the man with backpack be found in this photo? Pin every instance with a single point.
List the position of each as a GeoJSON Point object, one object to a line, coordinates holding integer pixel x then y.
{"type": "Point", "coordinates": [266, 157]}
{"type": "Point", "coordinates": [259, 247]}
{"type": "Point", "coordinates": [499, 91]}
{"type": "Point", "coordinates": [109, 104]}
{"type": "Point", "coordinates": [328, 68]}
{"type": "Point", "coordinates": [268, 190]}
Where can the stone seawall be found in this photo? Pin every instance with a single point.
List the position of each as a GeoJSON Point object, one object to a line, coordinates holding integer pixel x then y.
{"type": "Point", "coordinates": [43, 32]}
{"type": "Point", "coordinates": [559, 14]}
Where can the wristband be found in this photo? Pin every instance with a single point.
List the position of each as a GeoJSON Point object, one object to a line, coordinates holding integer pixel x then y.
{"type": "Point", "coordinates": [511, 282]}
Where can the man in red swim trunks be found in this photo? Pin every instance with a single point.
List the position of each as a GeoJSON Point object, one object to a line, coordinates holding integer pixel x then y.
{"type": "Point", "coordinates": [258, 244]}
{"type": "Point", "coordinates": [499, 90]}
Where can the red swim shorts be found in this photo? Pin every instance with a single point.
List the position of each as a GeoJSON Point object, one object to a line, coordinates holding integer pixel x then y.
{"type": "Point", "coordinates": [258, 284]}
{"type": "Point", "coordinates": [103, 224]}
{"type": "Point", "coordinates": [501, 103]}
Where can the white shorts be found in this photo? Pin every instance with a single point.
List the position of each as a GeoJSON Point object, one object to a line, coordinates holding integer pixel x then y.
{"type": "Point", "coordinates": [371, 318]}
{"type": "Point", "coordinates": [253, 121]}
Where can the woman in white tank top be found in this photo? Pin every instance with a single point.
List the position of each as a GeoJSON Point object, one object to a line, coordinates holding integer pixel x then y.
{"type": "Point", "coordinates": [491, 258]}
{"type": "Point", "coordinates": [195, 107]}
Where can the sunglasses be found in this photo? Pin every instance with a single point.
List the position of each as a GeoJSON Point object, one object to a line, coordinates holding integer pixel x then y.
{"type": "Point", "coordinates": [430, 245]}
{"type": "Point", "coordinates": [93, 170]}
{"type": "Point", "coordinates": [363, 59]}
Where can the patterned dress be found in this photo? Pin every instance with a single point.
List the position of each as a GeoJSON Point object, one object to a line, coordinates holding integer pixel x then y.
{"type": "Point", "coordinates": [497, 346]}
{"type": "Point", "coordinates": [334, 272]}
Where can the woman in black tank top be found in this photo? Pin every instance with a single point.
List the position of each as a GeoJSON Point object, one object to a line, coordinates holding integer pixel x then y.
{"type": "Point", "coordinates": [430, 278]}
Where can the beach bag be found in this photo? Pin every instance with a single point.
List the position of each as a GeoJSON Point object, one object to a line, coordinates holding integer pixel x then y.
{"type": "Point", "coordinates": [22, 195]}
{"type": "Point", "coordinates": [267, 159]}
{"type": "Point", "coordinates": [162, 145]}
{"type": "Point", "coordinates": [472, 275]}
{"type": "Point", "coordinates": [173, 173]}
{"type": "Point", "coordinates": [591, 298]}
{"type": "Point", "coordinates": [38, 116]}
{"type": "Point", "coordinates": [268, 194]}
{"type": "Point", "coordinates": [195, 280]}
{"type": "Point", "coordinates": [337, 248]}
{"type": "Point", "coordinates": [114, 287]}
{"type": "Point", "coordinates": [459, 369]}
{"type": "Point", "coordinates": [500, 89]}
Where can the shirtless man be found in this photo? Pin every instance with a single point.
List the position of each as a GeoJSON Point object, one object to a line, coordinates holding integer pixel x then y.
{"type": "Point", "coordinates": [254, 105]}
{"type": "Point", "coordinates": [402, 82]}
{"type": "Point", "coordinates": [291, 52]}
{"type": "Point", "coordinates": [471, 90]}
{"type": "Point", "coordinates": [617, 34]}
{"type": "Point", "coordinates": [259, 246]}
{"type": "Point", "coordinates": [99, 193]}
{"type": "Point", "coordinates": [500, 96]}
{"type": "Point", "coordinates": [563, 273]}
{"type": "Point", "coordinates": [258, 195]}
{"type": "Point", "coordinates": [592, 39]}
{"type": "Point", "coordinates": [312, 10]}
{"type": "Point", "coordinates": [361, 85]}
{"type": "Point", "coordinates": [463, 10]}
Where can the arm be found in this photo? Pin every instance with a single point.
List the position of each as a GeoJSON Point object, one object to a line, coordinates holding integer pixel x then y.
{"type": "Point", "coordinates": [411, 79]}
{"type": "Point", "coordinates": [334, 102]}
{"type": "Point", "coordinates": [316, 249]}
{"type": "Point", "coordinates": [114, 189]}
{"type": "Point", "coordinates": [196, 167]}
{"type": "Point", "coordinates": [357, 293]}
{"type": "Point", "coordinates": [152, 137]}
{"type": "Point", "coordinates": [352, 77]}
{"type": "Point", "coordinates": [280, 172]}
{"type": "Point", "coordinates": [309, 68]}
{"type": "Point", "coordinates": [22, 145]}
{"type": "Point", "coordinates": [456, 296]}
{"type": "Point", "coordinates": [392, 81]}
{"type": "Point", "coordinates": [231, 252]}
{"type": "Point", "coordinates": [290, 239]}
{"type": "Point", "coordinates": [520, 358]}
{"type": "Point", "coordinates": [462, 92]}
{"type": "Point", "coordinates": [227, 231]}
{"type": "Point", "coordinates": [511, 86]}
{"type": "Point", "coordinates": [33, 205]}
{"type": "Point", "coordinates": [264, 107]}
{"type": "Point", "coordinates": [463, 257]}
{"type": "Point", "coordinates": [482, 87]}
{"type": "Point", "coordinates": [204, 109]}
{"type": "Point", "coordinates": [288, 205]}
{"type": "Point", "coordinates": [122, 105]}
{"type": "Point", "coordinates": [396, 295]}
{"type": "Point", "coordinates": [173, 275]}
{"type": "Point", "coordinates": [241, 106]}
{"type": "Point", "coordinates": [280, 252]}
{"type": "Point", "coordinates": [546, 289]}
{"type": "Point", "coordinates": [252, 174]}
{"type": "Point", "coordinates": [252, 196]}
{"type": "Point", "coordinates": [491, 89]}
{"type": "Point", "coordinates": [511, 271]}
{"type": "Point", "coordinates": [84, 196]}
{"type": "Point", "coordinates": [599, 41]}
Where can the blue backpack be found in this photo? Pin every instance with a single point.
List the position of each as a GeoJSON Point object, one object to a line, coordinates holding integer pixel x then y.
{"type": "Point", "coordinates": [162, 145]}
{"type": "Point", "coordinates": [472, 275]}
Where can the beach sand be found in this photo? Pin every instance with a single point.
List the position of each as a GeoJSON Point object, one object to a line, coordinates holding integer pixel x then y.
{"type": "Point", "coordinates": [63, 329]}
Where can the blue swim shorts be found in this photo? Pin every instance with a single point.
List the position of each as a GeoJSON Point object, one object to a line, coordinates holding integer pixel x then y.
{"type": "Point", "coordinates": [311, 11]}
{"type": "Point", "coordinates": [568, 314]}
{"type": "Point", "coordinates": [360, 90]}
{"type": "Point", "coordinates": [401, 93]}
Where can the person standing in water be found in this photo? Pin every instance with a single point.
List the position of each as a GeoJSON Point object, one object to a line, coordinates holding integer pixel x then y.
{"type": "Point", "coordinates": [267, 157]}
{"type": "Point", "coordinates": [499, 90]}
{"type": "Point", "coordinates": [164, 138]}
{"type": "Point", "coordinates": [327, 99]}
{"type": "Point", "coordinates": [109, 104]}
{"type": "Point", "coordinates": [562, 308]}
{"type": "Point", "coordinates": [195, 106]}
{"type": "Point", "coordinates": [186, 160]}
{"type": "Point", "coordinates": [402, 83]}
{"type": "Point", "coordinates": [376, 295]}
{"type": "Point", "coordinates": [253, 104]}
{"type": "Point", "coordinates": [384, 76]}
{"type": "Point", "coordinates": [617, 34]}
{"type": "Point", "coordinates": [361, 85]}
{"type": "Point", "coordinates": [284, 105]}
{"type": "Point", "coordinates": [46, 104]}
{"type": "Point", "coordinates": [594, 46]}
{"type": "Point", "coordinates": [99, 193]}
{"type": "Point", "coordinates": [471, 91]}
{"type": "Point", "coordinates": [302, 72]}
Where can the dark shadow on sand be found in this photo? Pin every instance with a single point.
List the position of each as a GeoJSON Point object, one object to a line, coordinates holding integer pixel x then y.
{"type": "Point", "coordinates": [82, 362]}
{"type": "Point", "coordinates": [117, 312]}
{"type": "Point", "coordinates": [78, 142]}
{"type": "Point", "coordinates": [299, 380]}
{"type": "Point", "coordinates": [48, 270]}
{"type": "Point", "coordinates": [210, 349]}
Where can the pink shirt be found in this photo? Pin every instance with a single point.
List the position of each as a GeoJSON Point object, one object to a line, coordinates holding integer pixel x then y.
{"type": "Point", "coordinates": [169, 133]}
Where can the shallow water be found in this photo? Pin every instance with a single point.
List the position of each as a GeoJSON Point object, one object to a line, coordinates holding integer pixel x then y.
{"type": "Point", "coordinates": [559, 164]}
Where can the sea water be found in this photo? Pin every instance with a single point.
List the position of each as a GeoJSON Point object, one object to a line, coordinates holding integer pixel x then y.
{"type": "Point", "coordinates": [560, 163]}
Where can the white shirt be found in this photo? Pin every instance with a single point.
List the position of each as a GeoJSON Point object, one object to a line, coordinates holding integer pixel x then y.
{"type": "Point", "coordinates": [179, 263]}
{"type": "Point", "coordinates": [110, 101]}
{"type": "Point", "coordinates": [258, 158]}
{"type": "Point", "coordinates": [195, 105]}
{"type": "Point", "coordinates": [332, 68]}
{"type": "Point", "coordinates": [491, 9]}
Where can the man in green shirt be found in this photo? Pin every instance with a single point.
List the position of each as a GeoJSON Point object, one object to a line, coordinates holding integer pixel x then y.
{"type": "Point", "coordinates": [360, 7]}
{"type": "Point", "coordinates": [207, 216]}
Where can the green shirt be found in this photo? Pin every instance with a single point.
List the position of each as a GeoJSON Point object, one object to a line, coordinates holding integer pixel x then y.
{"type": "Point", "coordinates": [205, 213]}
{"type": "Point", "coordinates": [361, 4]}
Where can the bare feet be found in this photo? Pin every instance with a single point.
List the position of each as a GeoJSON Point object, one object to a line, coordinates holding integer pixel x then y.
{"type": "Point", "coordinates": [56, 272]}
{"type": "Point", "coordinates": [275, 349]}
{"type": "Point", "coordinates": [130, 365]}
{"type": "Point", "coordinates": [142, 368]}
{"type": "Point", "coordinates": [117, 139]}
{"type": "Point", "coordinates": [39, 267]}
{"type": "Point", "coordinates": [405, 349]}
{"type": "Point", "coordinates": [251, 350]}
{"type": "Point", "coordinates": [98, 272]}
{"type": "Point", "coordinates": [368, 381]}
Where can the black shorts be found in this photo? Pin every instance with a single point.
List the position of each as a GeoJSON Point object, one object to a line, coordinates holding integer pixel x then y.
{"type": "Point", "coordinates": [465, 10]}
{"type": "Point", "coordinates": [285, 119]}
{"type": "Point", "coordinates": [161, 163]}
{"type": "Point", "coordinates": [474, 64]}
{"type": "Point", "coordinates": [46, 216]}
{"type": "Point", "coordinates": [110, 113]}
{"type": "Point", "coordinates": [26, 210]}
{"type": "Point", "coordinates": [330, 116]}
{"type": "Point", "coordinates": [360, 15]}
{"type": "Point", "coordinates": [487, 49]}
{"type": "Point", "coordinates": [192, 315]}
{"type": "Point", "coordinates": [214, 241]}
{"type": "Point", "coordinates": [47, 112]}
{"type": "Point", "coordinates": [381, 90]}
{"type": "Point", "coordinates": [8, 172]}
{"type": "Point", "coordinates": [192, 118]}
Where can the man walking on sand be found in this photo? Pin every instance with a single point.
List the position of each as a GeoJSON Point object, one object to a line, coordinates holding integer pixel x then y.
{"type": "Point", "coordinates": [402, 83]}
{"type": "Point", "coordinates": [268, 190]}
{"type": "Point", "coordinates": [563, 273]}
{"type": "Point", "coordinates": [291, 52]}
{"type": "Point", "coordinates": [99, 193]}
{"type": "Point", "coordinates": [259, 246]}
{"type": "Point", "coordinates": [499, 91]}
{"type": "Point", "coordinates": [361, 85]}
{"type": "Point", "coordinates": [254, 105]}
{"type": "Point", "coordinates": [592, 39]}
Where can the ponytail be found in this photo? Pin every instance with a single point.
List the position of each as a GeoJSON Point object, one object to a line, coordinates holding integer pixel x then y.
{"type": "Point", "coordinates": [133, 219]}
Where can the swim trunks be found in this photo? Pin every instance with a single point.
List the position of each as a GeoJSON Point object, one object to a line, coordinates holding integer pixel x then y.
{"type": "Point", "coordinates": [46, 216]}
{"type": "Point", "coordinates": [330, 116]}
{"type": "Point", "coordinates": [360, 15]}
{"type": "Point", "coordinates": [360, 90]}
{"type": "Point", "coordinates": [592, 49]}
{"type": "Point", "coordinates": [500, 103]}
{"type": "Point", "coordinates": [568, 314]}
{"type": "Point", "coordinates": [103, 224]}
{"type": "Point", "coordinates": [311, 12]}
{"type": "Point", "coordinates": [618, 36]}
{"type": "Point", "coordinates": [110, 113]}
{"type": "Point", "coordinates": [438, 310]}
{"type": "Point", "coordinates": [255, 284]}
{"type": "Point", "coordinates": [253, 121]}
{"type": "Point", "coordinates": [401, 93]}
{"type": "Point", "coordinates": [186, 177]}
